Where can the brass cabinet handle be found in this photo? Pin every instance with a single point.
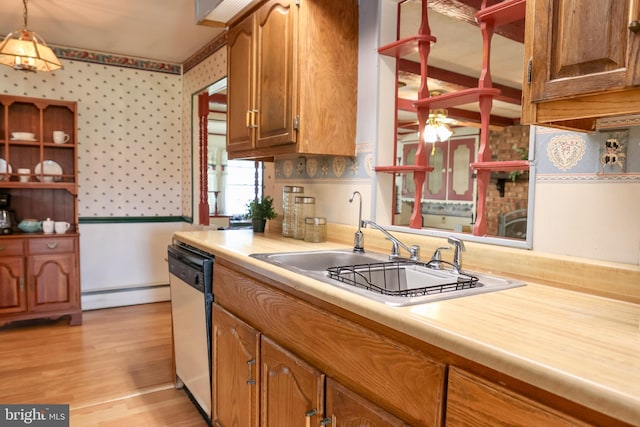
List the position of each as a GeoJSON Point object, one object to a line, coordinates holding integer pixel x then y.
{"type": "Point", "coordinates": [253, 124]}
{"type": "Point", "coordinates": [248, 119]}
{"type": "Point", "coordinates": [634, 26]}
{"type": "Point", "coordinates": [250, 364]}
{"type": "Point", "coordinates": [21, 283]}
{"type": "Point", "coordinates": [52, 245]}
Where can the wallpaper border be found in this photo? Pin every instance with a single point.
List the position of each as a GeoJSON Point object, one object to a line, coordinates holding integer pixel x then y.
{"type": "Point", "coordinates": [117, 60]}
{"type": "Point", "coordinates": [139, 63]}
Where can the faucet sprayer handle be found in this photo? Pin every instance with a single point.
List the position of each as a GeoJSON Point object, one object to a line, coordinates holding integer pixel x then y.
{"type": "Point", "coordinates": [457, 252]}
{"type": "Point", "coordinates": [459, 244]}
{"type": "Point", "coordinates": [437, 256]}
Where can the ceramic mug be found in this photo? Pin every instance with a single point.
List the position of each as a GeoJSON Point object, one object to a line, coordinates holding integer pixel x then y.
{"type": "Point", "coordinates": [61, 227]}
{"type": "Point", "coordinates": [48, 226]}
{"type": "Point", "coordinates": [24, 174]}
{"type": "Point", "coordinates": [59, 137]}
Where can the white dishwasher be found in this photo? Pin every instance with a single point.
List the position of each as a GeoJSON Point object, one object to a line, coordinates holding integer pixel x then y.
{"type": "Point", "coordinates": [190, 280]}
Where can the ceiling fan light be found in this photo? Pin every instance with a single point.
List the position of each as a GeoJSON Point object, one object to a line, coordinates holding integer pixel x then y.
{"type": "Point", "coordinates": [444, 132]}
{"type": "Point", "coordinates": [430, 133]}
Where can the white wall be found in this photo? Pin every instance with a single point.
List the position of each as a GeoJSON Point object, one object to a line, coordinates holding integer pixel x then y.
{"type": "Point", "coordinates": [124, 263]}
{"type": "Point", "coordinates": [595, 220]}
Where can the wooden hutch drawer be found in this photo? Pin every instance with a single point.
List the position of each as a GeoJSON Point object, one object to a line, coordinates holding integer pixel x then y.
{"type": "Point", "coordinates": [51, 245]}
{"type": "Point", "coordinates": [11, 247]}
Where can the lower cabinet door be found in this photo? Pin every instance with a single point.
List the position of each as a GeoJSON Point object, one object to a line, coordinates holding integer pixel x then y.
{"type": "Point", "coordinates": [235, 370]}
{"type": "Point", "coordinates": [13, 298]}
{"type": "Point", "coordinates": [292, 390]}
{"type": "Point", "coordinates": [53, 282]}
{"type": "Point", "coordinates": [347, 409]}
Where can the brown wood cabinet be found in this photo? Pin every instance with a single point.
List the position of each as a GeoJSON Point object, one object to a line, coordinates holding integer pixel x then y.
{"type": "Point", "coordinates": [40, 273]}
{"type": "Point", "coordinates": [286, 342]}
{"type": "Point", "coordinates": [252, 371]}
{"type": "Point", "coordinates": [292, 391]}
{"type": "Point", "coordinates": [292, 79]}
{"type": "Point", "coordinates": [13, 294]}
{"type": "Point", "coordinates": [346, 409]}
{"type": "Point", "coordinates": [39, 278]}
{"type": "Point", "coordinates": [312, 343]}
{"type": "Point", "coordinates": [581, 62]}
{"type": "Point", "coordinates": [235, 370]}
{"type": "Point", "coordinates": [474, 401]}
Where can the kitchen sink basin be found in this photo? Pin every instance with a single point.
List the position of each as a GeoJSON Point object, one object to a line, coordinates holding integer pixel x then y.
{"type": "Point", "coordinates": [320, 260]}
{"type": "Point", "coordinates": [393, 282]}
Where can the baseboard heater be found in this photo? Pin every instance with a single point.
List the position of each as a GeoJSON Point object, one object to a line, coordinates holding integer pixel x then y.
{"type": "Point", "coordinates": [119, 297]}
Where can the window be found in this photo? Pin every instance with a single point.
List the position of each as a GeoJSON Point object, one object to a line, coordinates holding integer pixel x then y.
{"type": "Point", "coordinates": [236, 183]}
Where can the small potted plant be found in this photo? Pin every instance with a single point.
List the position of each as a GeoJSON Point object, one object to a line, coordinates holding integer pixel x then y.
{"type": "Point", "coordinates": [259, 211]}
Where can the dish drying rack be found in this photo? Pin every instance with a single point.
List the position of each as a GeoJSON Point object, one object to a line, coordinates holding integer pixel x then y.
{"type": "Point", "coordinates": [389, 273]}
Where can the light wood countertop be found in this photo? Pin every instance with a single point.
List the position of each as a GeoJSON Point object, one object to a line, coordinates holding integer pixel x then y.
{"type": "Point", "coordinates": [582, 347]}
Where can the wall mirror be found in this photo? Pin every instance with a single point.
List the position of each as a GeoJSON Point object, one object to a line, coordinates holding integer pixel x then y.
{"type": "Point", "coordinates": [450, 194]}
{"type": "Point", "coordinates": [224, 186]}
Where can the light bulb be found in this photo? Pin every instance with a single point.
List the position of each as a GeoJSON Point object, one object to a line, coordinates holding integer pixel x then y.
{"type": "Point", "coordinates": [444, 132]}
{"type": "Point", "coordinates": [430, 133]}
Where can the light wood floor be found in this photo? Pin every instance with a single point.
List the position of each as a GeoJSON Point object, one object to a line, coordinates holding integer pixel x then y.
{"type": "Point", "coordinates": [114, 370]}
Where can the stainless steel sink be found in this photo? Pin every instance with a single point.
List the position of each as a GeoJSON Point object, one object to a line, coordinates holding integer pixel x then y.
{"type": "Point", "coordinates": [319, 260]}
{"type": "Point", "coordinates": [397, 283]}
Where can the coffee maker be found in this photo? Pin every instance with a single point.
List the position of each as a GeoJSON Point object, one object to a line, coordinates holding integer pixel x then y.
{"type": "Point", "coordinates": [6, 214]}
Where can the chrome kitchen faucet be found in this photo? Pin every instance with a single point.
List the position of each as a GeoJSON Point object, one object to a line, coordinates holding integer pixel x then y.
{"type": "Point", "coordinates": [414, 250]}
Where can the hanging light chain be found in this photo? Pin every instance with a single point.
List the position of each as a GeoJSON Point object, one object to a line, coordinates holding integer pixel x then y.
{"type": "Point", "coordinates": [25, 14]}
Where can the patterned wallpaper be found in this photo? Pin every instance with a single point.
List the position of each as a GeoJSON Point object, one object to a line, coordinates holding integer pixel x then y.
{"type": "Point", "coordinates": [196, 80]}
{"type": "Point", "coordinates": [129, 157]}
{"type": "Point", "coordinates": [611, 155]}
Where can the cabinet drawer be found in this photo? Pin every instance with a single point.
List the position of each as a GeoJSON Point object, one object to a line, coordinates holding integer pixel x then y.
{"type": "Point", "coordinates": [11, 247]}
{"type": "Point", "coordinates": [473, 401]}
{"type": "Point", "coordinates": [50, 245]}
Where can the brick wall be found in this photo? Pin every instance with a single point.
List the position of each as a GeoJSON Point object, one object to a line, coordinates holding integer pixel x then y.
{"type": "Point", "coordinates": [504, 145]}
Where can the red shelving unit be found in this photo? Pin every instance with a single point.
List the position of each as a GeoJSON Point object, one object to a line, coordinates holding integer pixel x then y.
{"type": "Point", "coordinates": [459, 97]}
{"type": "Point", "coordinates": [503, 13]}
{"type": "Point", "coordinates": [403, 169]}
{"type": "Point", "coordinates": [501, 166]}
{"type": "Point", "coordinates": [405, 47]}
{"type": "Point", "coordinates": [488, 18]}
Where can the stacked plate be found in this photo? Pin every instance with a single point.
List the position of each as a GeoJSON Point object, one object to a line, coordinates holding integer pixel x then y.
{"type": "Point", "coordinates": [50, 169]}
{"type": "Point", "coordinates": [23, 136]}
{"type": "Point", "coordinates": [47, 171]}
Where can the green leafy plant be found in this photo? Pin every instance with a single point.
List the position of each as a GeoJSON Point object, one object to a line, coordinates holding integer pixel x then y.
{"type": "Point", "coordinates": [261, 209]}
{"type": "Point", "coordinates": [524, 155]}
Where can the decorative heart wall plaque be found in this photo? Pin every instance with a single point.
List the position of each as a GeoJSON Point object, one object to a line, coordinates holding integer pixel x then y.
{"type": "Point", "coordinates": [565, 151]}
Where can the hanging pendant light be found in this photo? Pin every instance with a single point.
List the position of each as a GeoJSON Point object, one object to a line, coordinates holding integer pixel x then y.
{"type": "Point", "coordinates": [26, 51]}
{"type": "Point", "coordinates": [436, 128]}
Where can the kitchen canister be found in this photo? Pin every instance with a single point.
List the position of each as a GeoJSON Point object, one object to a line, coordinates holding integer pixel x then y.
{"type": "Point", "coordinates": [289, 193]}
{"type": "Point", "coordinates": [304, 207]}
{"type": "Point", "coordinates": [315, 229]}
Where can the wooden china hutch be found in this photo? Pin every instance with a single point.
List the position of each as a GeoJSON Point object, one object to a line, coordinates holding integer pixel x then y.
{"type": "Point", "coordinates": [39, 273]}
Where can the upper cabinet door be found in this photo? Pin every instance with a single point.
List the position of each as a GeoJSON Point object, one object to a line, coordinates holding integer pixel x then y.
{"type": "Point", "coordinates": [240, 75]}
{"type": "Point", "coordinates": [582, 46]}
{"type": "Point", "coordinates": [276, 33]}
